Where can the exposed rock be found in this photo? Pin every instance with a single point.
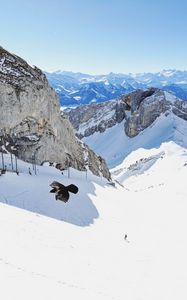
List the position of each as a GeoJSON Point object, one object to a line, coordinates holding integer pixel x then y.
{"type": "Point", "coordinates": [138, 110]}
{"type": "Point", "coordinates": [146, 111]}
{"type": "Point", "coordinates": [135, 98]}
{"type": "Point", "coordinates": [31, 118]}
{"type": "Point", "coordinates": [180, 109]}
{"type": "Point", "coordinates": [97, 117]}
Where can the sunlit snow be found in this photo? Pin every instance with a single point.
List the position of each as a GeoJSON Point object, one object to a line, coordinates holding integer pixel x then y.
{"type": "Point", "coordinates": [78, 250]}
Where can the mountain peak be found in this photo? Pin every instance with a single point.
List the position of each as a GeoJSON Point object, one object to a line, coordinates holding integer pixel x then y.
{"type": "Point", "coordinates": [127, 121]}
{"type": "Point", "coordinates": [168, 72]}
{"type": "Point", "coordinates": [15, 70]}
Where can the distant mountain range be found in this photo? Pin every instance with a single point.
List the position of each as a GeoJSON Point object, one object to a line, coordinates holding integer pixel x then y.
{"type": "Point", "coordinates": [77, 88]}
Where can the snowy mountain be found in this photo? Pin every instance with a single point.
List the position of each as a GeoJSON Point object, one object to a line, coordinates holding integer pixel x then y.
{"type": "Point", "coordinates": [90, 118]}
{"type": "Point", "coordinates": [76, 88]}
{"type": "Point", "coordinates": [146, 119]}
{"type": "Point", "coordinates": [83, 89]}
{"type": "Point", "coordinates": [112, 240]}
{"type": "Point", "coordinates": [116, 239]}
{"type": "Point", "coordinates": [50, 256]}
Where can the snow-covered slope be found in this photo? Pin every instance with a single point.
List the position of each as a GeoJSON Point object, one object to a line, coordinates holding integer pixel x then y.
{"type": "Point", "coordinates": [31, 192]}
{"type": "Point", "coordinates": [44, 258]}
{"type": "Point", "coordinates": [114, 145]}
{"type": "Point", "coordinates": [124, 239]}
{"type": "Point", "coordinates": [148, 119]}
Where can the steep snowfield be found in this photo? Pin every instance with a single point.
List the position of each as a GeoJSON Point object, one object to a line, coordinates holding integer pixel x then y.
{"type": "Point", "coordinates": [114, 145]}
{"type": "Point", "coordinates": [53, 258]}
{"type": "Point", "coordinates": [32, 192]}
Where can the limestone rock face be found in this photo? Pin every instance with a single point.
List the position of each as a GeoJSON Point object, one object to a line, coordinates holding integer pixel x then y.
{"type": "Point", "coordinates": [31, 117]}
{"type": "Point", "coordinates": [180, 109]}
{"type": "Point", "coordinates": [134, 99]}
{"type": "Point", "coordinates": [138, 110]}
{"type": "Point", "coordinates": [153, 103]}
{"type": "Point", "coordinates": [97, 117]}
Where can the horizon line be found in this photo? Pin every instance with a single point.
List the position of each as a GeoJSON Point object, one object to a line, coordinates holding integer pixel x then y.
{"type": "Point", "coordinates": [115, 73]}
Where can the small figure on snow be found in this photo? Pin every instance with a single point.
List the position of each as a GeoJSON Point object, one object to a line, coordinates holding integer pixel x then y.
{"type": "Point", "coordinates": [125, 238]}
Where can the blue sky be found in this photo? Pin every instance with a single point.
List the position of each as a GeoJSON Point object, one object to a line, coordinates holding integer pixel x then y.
{"type": "Point", "coordinates": [97, 36]}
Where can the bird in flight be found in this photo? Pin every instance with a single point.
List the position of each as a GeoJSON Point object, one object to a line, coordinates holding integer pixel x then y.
{"type": "Point", "coordinates": [62, 192]}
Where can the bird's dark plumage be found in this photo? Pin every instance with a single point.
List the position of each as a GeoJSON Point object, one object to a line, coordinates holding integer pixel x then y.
{"type": "Point", "coordinates": [61, 191]}
{"type": "Point", "coordinates": [72, 188]}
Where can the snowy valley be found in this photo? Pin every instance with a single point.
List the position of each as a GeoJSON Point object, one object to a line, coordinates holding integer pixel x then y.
{"type": "Point", "coordinates": [78, 248]}
{"type": "Point", "coordinates": [122, 236]}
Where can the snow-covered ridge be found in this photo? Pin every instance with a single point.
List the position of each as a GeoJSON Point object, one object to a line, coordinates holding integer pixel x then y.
{"type": "Point", "coordinates": [77, 88]}
{"type": "Point", "coordinates": [137, 110]}
{"type": "Point", "coordinates": [153, 123]}
{"type": "Point", "coordinates": [155, 166]}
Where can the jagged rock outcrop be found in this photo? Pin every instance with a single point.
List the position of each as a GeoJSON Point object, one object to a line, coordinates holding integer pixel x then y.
{"type": "Point", "coordinates": [138, 110]}
{"type": "Point", "coordinates": [31, 119]}
{"type": "Point", "coordinates": [146, 106]}
{"type": "Point", "coordinates": [135, 98]}
{"type": "Point", "coordinates": [97, 117]}
{"type": "Point", "coordinates": [180, 109]}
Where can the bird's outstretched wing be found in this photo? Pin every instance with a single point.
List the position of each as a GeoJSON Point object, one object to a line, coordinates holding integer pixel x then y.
{"type": "Point", "coordinates": [72, 188]}
{"type": "Point", "coordinates": [53, 190]}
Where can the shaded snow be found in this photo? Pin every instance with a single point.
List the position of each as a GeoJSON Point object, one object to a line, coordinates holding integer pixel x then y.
{"type": "Point", "coordinates": [44, 258]}
{"type": "Point", "coordinates": [31, 192]}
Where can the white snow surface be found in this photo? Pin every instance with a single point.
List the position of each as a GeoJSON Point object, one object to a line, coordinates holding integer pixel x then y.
{"type": "Point", "coordinates": [31, 192]}
{"type": "Point", "coordinates": [77, 250]}
{"type": "Point", "coordinates": [114, 145]}
{"type": "Point", "coordinates": [53, 258]}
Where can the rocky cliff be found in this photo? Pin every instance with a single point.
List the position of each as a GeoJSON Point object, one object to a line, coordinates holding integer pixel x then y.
{"type": "Point", "coordinates": [32, 121]}
{"type": "Point", "coordinates": [138, 110]}
{"type": "Point", "coordinates": [97, 117]}
{"type": "Point", "coordinates": [147, 106]}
